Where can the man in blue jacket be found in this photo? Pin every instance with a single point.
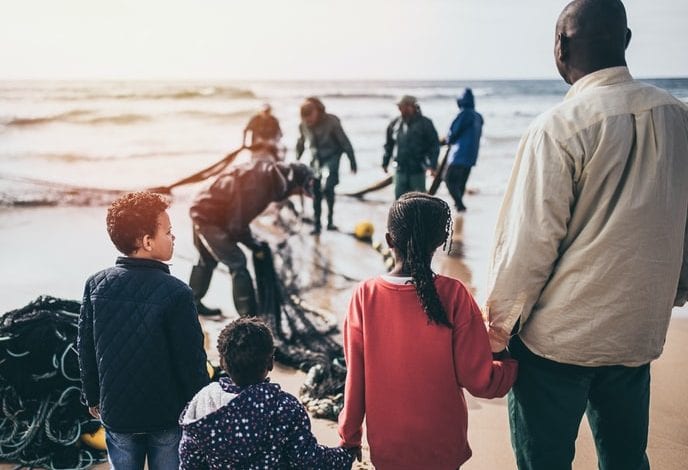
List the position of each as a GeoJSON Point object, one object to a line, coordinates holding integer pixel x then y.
{"type": "Point", "coordinates": [464, 137]}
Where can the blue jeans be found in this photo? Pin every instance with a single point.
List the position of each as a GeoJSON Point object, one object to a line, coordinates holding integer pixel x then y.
{"type": "Point", "coordinates": [129, 451]}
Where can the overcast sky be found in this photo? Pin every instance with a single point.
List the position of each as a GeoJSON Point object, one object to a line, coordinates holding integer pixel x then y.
{"type": "Point", "coordinates": [313, 39]}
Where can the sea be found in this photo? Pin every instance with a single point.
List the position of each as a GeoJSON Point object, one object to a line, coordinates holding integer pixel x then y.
{"type": "Point", "coordinates": [137, 134]}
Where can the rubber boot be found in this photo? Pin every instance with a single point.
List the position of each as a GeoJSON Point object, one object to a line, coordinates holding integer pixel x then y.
{"type": "Point", "coordinates": [329, 197]}
{"type": "Point", "coordinates": [199, 283]}
{"type": "Point", "coordinates": [243, 293]}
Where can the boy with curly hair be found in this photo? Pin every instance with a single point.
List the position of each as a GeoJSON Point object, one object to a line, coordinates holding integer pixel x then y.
{"type": "Point", "coordinates": [247, 422]}
{"type": "Point", "coordinates": [140, 343]}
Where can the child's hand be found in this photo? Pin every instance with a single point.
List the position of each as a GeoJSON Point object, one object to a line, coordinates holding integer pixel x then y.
{"type": "Point", "coordinates": [356, 452]}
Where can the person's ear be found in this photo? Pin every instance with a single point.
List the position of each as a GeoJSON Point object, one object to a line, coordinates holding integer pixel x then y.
{"type": "Point", "coordinates": [388, 239]}
{"type": "Point", "coordinates": [147, 242]}
{"type": "Point", "coordinates": [628, 37]}
{"type": "Point", "coordinates": [562, 47]}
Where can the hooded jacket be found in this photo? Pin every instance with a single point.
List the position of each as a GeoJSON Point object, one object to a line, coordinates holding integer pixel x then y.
{"type": "Point", "coordinates": [255, 427]}
{"type": "Point", "coordinates": [416, 141]}
{"type": "Point", "coordinates": [465, 132]}
{"type": "Point", "coordinates": [239, 195]}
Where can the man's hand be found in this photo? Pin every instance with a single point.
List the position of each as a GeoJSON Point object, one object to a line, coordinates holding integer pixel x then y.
{"type": "Point", "coordinates": [384, 168]}
{"type": "Point", "coordinates": [499, 338]}
{"type": "Point", "coordinates": [443, 141]}
{"type": "Point", "coordinates": [354, 170]}
{"type": "Point", "coordinates": [94, 411]}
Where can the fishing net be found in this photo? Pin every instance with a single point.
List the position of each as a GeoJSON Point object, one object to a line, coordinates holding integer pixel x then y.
{"type": "Point", "coordinates": [42, 417]}
{"type": "Point", "coordinates": [303, 333]}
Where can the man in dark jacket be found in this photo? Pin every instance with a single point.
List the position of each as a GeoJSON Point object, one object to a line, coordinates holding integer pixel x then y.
{"type": "Point", "coordinates": [464, 137]}
{"type": "Point", "coordinates": [140, 344]}
{"type": "Point", "coordinates": [264, 128]}
{"type": "Point", "coordinates": [222, 215]}
{"type": "Point", "coordinates": [327, 141]}
{"type": "Point", "coordinates": [417, 147]}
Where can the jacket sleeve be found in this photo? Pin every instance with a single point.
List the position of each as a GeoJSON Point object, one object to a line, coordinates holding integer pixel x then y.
{"type": "Point", "coordinates": [88, 366]}
{"type": "Point", "coordinates": [457, 128]}
{"type": "Point", "coordinates": [345, 143]}
{"type": "Point", "coordinates": [474, 368]}
{"type": "Point", "coordinates": [531, 224]}
{"type": "Point", "coordinates": [682, 290]}
{"type": "Point", "coordinates": [185, 337]}
{"type": "Point", "coordinates": [300, 143]}
{"type": "Point", "coordinates": [351, 417]}
{"type": "Point", "coordinates": [303, 450]}
{"type": "Point", "coordinates": [432, 144]}
{"type": "Point", "coordinates": [191, 457]}
{"type": "Point", "coordinates": [389, 143]}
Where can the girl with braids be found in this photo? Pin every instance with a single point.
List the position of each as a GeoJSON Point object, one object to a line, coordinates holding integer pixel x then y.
{"type": "Point", "coordinates": [413, 340]}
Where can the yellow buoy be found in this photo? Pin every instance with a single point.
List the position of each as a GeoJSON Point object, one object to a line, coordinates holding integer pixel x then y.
{"type": "Point", "coordinates": [364, 230]}
{"type": "Point", "coordinates": [96, 439]}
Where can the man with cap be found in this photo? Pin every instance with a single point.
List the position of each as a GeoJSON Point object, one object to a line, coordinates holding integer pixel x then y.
{"type": "Point", "coordinates": [264, 128]}
{"type": "Point", "coordinates": [323, 134]}
{"type": "Point", "coordinates": [417, 147]}
{"type": "Point", "coordinates": [464, 137]}
{"type": "Point", "coordinates": [222, 215]}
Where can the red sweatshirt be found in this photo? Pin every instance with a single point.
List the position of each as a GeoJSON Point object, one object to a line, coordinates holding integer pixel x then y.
{"type": "Point", "coordinates": [407, 375]}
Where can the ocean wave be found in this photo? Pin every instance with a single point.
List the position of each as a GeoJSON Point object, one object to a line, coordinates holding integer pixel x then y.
{"type": "Point", "coordinates": [229, 116]}
{"type": "Point", "coordinates": [77, 116]}
{"type": "Point", "coordinates": [155, 94]}
{"type": "Point", "coordinates": [39, 120]}
{"type": "Point", "coordinates": [67, 157]}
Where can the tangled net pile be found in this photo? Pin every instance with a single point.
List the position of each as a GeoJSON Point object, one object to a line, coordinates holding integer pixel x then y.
{"type": "Point", "coordinates": [42, 417]}
{"type": "Point", "coordinates": [302, 334]}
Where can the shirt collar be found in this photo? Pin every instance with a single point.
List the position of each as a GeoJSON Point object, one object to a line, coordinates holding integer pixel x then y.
{"type": "Point", "coordinates": [604, 77]}
{"type": "Point", "coordinates": [129, 262]}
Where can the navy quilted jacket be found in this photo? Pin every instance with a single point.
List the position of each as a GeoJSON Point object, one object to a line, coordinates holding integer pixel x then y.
{"type": "Point", "coordinates": [140, 346]}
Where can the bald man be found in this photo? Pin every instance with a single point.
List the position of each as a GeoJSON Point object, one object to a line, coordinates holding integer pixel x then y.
{"type": "Point", "coordinates": [591, 252]}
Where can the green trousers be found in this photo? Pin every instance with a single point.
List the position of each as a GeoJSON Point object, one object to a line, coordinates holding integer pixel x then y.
{"type": "Point", "coordinates": [407, 182]}
{"type": "Point", "coordinates": [547, 403]}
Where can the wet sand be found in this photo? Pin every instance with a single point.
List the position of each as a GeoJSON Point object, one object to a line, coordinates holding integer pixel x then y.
{"type": "Point", "coordinates": [53, 250]}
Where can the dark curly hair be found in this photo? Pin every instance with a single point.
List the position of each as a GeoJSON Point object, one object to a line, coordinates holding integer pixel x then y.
{"type": "Point", "coordinates": [133, 216]}
{"type": "Point", "coordinates": [246, 348]}
{"type": "Point", "coordinates": [418, 224]}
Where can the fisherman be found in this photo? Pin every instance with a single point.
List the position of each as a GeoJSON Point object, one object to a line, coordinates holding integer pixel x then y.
{"type": "Point", "coordinates": [263, 127]}
{"type": "Point", "coordinates": [464, 137]}
{"type": "Point", "coordinates": [327, 141]}
{"type": "Point", "coordinates": [222, 214]}
{"type": "Point", "coordinates": [417, 147]}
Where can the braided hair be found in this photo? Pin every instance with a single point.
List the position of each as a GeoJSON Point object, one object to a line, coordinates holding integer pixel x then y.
{"type": "Point", "coordinates": [418, 224]}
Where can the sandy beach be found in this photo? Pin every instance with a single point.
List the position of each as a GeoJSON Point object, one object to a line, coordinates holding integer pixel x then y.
{"type": "Point", "coordinates": [52, 251]}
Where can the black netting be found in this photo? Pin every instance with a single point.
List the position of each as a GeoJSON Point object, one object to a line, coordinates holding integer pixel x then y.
{"type": "Point", "coordinates": [42, 417]}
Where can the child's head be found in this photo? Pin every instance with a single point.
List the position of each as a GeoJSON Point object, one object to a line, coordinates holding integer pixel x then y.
{"type": "Point", "coordinates": [417, 225]}
{"type": "Point", "coordinates": [246, 350]}
{"type": "Point", "coordinates": [139, 226]}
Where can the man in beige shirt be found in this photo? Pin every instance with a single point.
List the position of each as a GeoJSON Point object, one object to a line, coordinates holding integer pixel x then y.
{"type": "Point", "coordinates": [591, 250]}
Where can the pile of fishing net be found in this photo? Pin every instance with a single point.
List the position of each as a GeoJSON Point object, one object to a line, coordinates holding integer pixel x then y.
{"type": "Point", "coordinates": [42, 417]}
{"type": "Point", "coordinates": [303, 334]}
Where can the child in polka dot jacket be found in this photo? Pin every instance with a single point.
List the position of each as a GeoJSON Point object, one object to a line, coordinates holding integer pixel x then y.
{"type": "Point", "coordinates": [248, 422]}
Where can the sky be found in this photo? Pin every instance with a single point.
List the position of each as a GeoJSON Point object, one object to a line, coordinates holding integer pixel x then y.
{"type": "Point", "coordinates": [313, 39]}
